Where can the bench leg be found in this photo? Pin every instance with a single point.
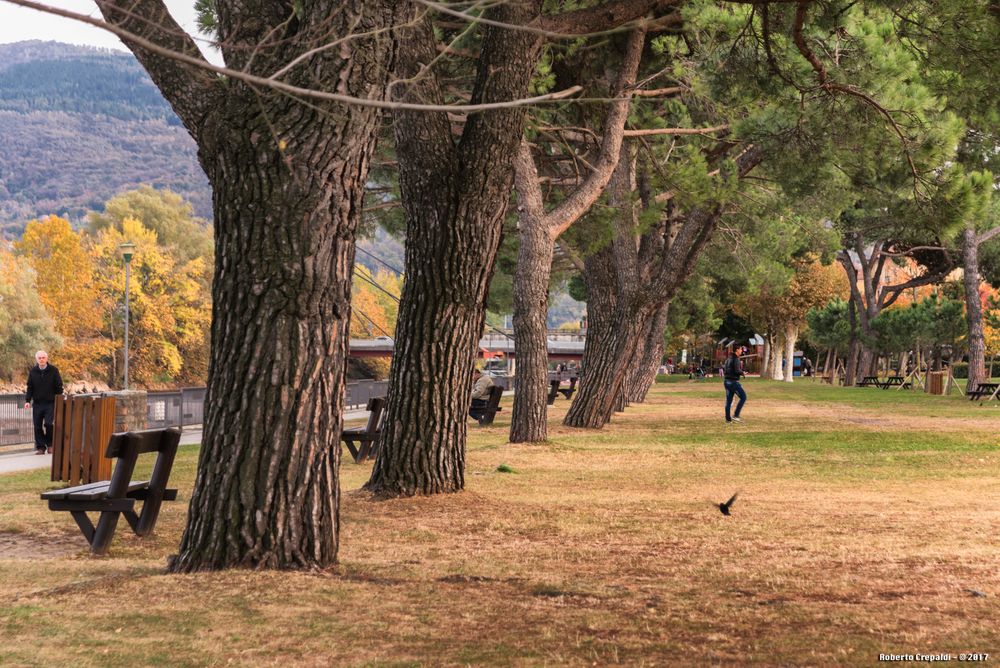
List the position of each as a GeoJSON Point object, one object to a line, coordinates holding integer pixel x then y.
{"type": "Point", "coordinates": [133, 520]}
{"type": "Point", "coordinates": [86, 526]}
{"type": "Point", "coordinates": [354, 451]}
{"type": "Point", "coordinates": [367, 450]}
{"type": "Point", "coordinates": [105, 532]}
{"type": "Point", "coordinates": [147, 518]}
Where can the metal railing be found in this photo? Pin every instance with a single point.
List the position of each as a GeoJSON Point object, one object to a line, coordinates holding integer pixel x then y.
{"type": "Point", "coordinates": [360, 391]}
{"type": "Point", "coordinates": [15, 421]}
{"type": "Point", "coordinates": [177, 408]}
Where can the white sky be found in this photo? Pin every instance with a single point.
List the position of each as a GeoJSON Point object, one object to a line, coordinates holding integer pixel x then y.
{"type": "Point", "coordinates": [18, 24]}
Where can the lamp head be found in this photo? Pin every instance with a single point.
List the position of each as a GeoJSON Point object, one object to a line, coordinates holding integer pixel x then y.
{"type": "Point", "coordinates": [127, 250]}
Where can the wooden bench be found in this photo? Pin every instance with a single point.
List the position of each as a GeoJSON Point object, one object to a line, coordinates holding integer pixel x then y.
{"type": "Point", "coordinates": [363, 441]}
{"type": "Point", "coordinates": [983, 390]}
{"type": "Point", "coordinates": [870, 381]}
{"type": "Point", "coordinates": [117, 496]}
{"type": "Point", "coordinates": [492, 406]}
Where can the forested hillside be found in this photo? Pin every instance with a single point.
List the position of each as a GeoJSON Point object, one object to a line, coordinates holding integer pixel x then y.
{"type": "Point", "coordinates": [79, 125]}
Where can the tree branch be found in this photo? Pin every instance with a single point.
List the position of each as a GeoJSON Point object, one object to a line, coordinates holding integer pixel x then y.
{"type": "Point", "coordinates": [201, 63]}
{"type": "Point", "coordinates": [676, 131]}
{"type": "Point", "coordinates": [987, 235]}
{"type": "Point", "coordinates": [582, 198]}
{"type": "Point", "coordinates": [189, 89]}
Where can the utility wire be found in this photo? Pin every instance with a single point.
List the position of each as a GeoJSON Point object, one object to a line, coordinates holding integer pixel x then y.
{"type": "Point", "coordinates": [372, 282]}
{"type": "Point", "coordinates": [374, 324]}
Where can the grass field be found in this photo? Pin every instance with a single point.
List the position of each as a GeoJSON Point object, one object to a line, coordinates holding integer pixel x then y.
{"type": "Point", "coordinates": [868, 522]}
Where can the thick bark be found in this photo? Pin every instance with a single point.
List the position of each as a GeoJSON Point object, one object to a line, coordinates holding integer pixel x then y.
{"type": "Point", "coordinates": [538, 233]}
{"type": "Point", "coordinates": [531, 299]}
{"type": "Point", "coordinates": [650, 357]}
{"type": "Point", "coordinates": [648, 270]}
{"type": "Point", "coordinates": [455, 197]}
{"type": "Point", "coordinates": [607, 368]}
{"type": "Point", "coordinates": [791, 338]}
{"type": "Point", "coordinates": [288, 181]}
{"type": "Point", "coordinates": [973, 308]}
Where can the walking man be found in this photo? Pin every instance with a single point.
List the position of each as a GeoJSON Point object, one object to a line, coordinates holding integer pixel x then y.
{"type": "Point", "coordinates": [44, 385]}
{"type": "Point", "coordinates": [733, 371]}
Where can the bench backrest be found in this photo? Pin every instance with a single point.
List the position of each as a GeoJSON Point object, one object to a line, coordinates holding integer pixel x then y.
{"type": "Point", "coordinates": [127, 447]}
{"type": "Point", "coordinates": [496, 392]}
{"type": "Point", "coordinates": [375, 407]}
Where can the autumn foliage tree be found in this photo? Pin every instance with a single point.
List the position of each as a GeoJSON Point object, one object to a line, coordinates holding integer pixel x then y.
{"type": "Point", "coordinates": [68, 290]}
{"type": "Point", "coordinates": [25, 325]}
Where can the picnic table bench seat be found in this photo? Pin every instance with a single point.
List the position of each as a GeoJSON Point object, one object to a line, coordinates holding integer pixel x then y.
{"type": "Point", "coordinates": [982, 390]}
{"type": "Point", "coordinates": [555, 390]}
{"type": "Point", "coordinates": [568, 391]}
{"type": "Point", "coordinates": [118, 496]}
{"type": "Point", "coordinates": [363, 441]}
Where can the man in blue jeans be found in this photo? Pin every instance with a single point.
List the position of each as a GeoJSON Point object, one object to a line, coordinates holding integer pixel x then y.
{"type": "Point", "coordinates": [733, 371]}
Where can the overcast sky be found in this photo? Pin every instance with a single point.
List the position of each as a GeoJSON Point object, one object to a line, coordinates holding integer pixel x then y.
{"type": "Point", "coordinates": [18, 24]}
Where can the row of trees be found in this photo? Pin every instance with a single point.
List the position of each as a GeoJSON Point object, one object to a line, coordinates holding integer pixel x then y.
{"type": "Point", "coordinates": [64, 290]}
{"type": "Point", "coordinates": [919, 334]}
{"type": "Point", "coordinates": [708, 116]}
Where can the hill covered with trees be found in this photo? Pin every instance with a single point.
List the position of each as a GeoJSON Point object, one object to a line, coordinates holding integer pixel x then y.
{"type": "Point", "coordinates": [81, 125]}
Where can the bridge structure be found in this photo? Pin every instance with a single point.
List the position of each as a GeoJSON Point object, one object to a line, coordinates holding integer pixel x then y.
{"type": "Point", "coordinates": [562, 347]}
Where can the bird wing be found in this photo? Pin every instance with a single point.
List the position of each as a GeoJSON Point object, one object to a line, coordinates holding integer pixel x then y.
{"type": "Point", "coordinates": [732, 499]}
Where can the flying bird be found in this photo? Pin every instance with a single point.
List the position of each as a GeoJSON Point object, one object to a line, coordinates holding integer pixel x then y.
{"type": "Point", "coordinates": [724, 507]}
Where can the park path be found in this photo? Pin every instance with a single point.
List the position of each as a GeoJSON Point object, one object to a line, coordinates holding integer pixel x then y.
{"type": "Point", "coordinates": [27, 460]}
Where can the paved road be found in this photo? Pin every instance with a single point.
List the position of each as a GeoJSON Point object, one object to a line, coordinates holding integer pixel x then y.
{"type": "Point", "coordinates": [26, 460]}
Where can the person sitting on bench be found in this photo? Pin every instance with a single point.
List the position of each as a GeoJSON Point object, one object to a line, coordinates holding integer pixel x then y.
{"type": "Point", "coordinates": [480, 394]}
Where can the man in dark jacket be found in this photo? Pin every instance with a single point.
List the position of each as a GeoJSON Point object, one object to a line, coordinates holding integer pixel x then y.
{"type": "Point", "coordinates": [733, 371]}
{"type": "Point", "coordinates": [44, 385]}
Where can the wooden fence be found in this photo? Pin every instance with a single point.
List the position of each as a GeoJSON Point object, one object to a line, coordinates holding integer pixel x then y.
{"type": "Point", "coordinates": [83, 425]}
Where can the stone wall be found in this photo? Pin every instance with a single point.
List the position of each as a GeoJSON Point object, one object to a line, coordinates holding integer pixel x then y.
{"type": "Point", "coordinates": [130, 410]}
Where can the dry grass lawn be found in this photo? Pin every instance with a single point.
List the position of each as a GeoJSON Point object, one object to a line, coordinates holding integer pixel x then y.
{"type": "Point", "coordinates": [868, 522]}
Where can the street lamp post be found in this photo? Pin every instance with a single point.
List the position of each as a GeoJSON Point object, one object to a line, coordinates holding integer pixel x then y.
{"type": "Point", "coordinates": [127, 250]}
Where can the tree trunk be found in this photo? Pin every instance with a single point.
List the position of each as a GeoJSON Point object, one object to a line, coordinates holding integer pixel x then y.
{"type": "Point", "coordinates": [607, 370]}
{"type": "Point", "coordinates": [791, 337]}
{"type": "Point", "coordinates": [455, 196]}
{"type": "Point", "coordinates": [777, 357]}
{"type": "Point", "coordinates": [830, 361]}
{"type": "Point", "coordinates": [765, 363]}
{"type": "Point", "coordinates": [973, 308]}
{"type": "Point", "coordinates": [644, 374]}
{"type": "Point", "coordinates": [288, 184]}
{"type": "Point", "coordinates": [531, 299]}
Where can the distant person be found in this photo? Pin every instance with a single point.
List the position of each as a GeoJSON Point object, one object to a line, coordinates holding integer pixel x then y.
{"type": "Point", "coordinates": [807, 367]}
{"type": "Point", "coordinates": [732, 372]}
{"type": "Point", "coordinates": [481, 386]}
{"type": "Point", "coordinates": [44, 385]}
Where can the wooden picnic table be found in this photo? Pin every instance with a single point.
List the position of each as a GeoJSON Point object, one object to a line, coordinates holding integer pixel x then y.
{"type": "Point", "coordinates": [870, 381]}
{"type": "Point", "coordinates": [987, 390]}
{"type": "Point", "coordinates": [894, 381]}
